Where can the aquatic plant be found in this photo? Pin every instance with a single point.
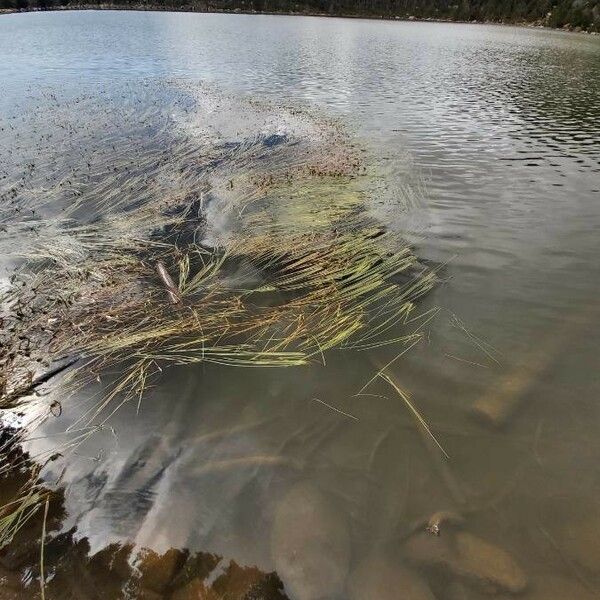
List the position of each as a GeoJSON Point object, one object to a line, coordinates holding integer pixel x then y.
{"type": "Point", "coordinates": [180, 247]}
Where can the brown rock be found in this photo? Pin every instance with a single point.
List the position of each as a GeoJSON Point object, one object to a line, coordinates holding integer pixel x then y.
{"type": "Point", "coordinates": [457, 590]}
{"type": "Point", "coordinates": [581, 542]}
{"type": "Point", "coordinates": [114, 560]}
{"type": "Point", "coordinates": [237, 581]}
{"type": "Point", "coordinates": [488, 563]}
{"type": "Point", "coordinates": [310, 544]}
{"type": "Point", "coordinates": [194, 590]}
{"type": "Point", "coordinates": [156, 570]}
{"type": "Point", "coordinates": [550, 587]}
{"type": "Point", "coordinates": [378, 578]}
{"type": "Point", "coordinates": [197, 566]}
{"type": "Point", "coordinates": [468, 557]}
{"type": "Point", "coordinates": [11, 587]}
{"type": "Point", "coordinates": [146, 594]}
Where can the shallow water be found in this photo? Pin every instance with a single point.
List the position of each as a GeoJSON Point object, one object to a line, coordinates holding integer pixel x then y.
{"type": "Point", "coordinates": [495, 133]}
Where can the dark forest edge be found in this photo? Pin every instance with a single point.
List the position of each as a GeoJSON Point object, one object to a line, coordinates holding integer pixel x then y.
{"type": "Point", "coordinates": [574, 15]}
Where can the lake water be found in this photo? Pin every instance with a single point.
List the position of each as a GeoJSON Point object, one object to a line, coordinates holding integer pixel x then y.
{"type": "Point", "coordinates": [494, 134]}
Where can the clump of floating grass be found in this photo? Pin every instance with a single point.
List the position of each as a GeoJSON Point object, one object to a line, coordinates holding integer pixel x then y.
{"type": "Point", "coordinates": [301, 270]}
{"type": "Point", "coordinates": [134, 273]}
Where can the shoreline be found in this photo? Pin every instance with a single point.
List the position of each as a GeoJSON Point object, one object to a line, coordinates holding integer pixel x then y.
{"type": "Point", "coordinates": [238, 11]}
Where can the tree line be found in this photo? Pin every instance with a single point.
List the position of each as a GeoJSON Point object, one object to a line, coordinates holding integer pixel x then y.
{"type": "Point", "coordinates": [570, 14]}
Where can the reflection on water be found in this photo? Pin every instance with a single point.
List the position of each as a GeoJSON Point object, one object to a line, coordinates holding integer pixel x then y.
{"type": "Point", "coordinates": [72, 570]}
{"type": "Point", "coordinates": [256, 466]}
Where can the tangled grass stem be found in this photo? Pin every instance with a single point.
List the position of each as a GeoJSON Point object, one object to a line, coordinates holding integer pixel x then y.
{"type": "Point", "coordinates": [170, 248]}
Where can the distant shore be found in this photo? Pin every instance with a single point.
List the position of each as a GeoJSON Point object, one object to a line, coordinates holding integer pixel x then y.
{"type": "Point", "coordinates": [409, 18]}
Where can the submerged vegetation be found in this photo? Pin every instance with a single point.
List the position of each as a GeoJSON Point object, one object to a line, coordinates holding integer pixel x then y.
{"type": "Point", "coordinates": [226, 231]}
{"type": "Point", "coordinates": [299, 268]}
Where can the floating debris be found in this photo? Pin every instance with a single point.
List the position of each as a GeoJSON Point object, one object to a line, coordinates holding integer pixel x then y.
{"type": "Point", "coordinates": [435, 522]}
{"type": "Point", "coordinates": [172, 290]}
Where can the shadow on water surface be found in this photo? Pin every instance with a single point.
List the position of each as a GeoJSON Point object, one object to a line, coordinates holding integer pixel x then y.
{"type": "Point", "coordinates": [118, 570]}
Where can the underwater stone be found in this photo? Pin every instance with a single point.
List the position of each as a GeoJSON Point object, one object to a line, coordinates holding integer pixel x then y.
{"type": "Point", "coordinates": [10, 585]}
{"type": "Point", "coordinates": [468, 557]}
{"type": "Point", "coordinates": [157, 571]}
{"type": "Point", "coordinates": [194, 590]}
{"type": "Point", "coordinates": [310, 545]}
{"type": "Point", "coordinates": [378, 578]}
{"type": "Point", "coordinates": [550, 587]}
{"type": "Point", "coordinates": [146, 594]}
{"type": "Point", "coordinates": [581, 542]}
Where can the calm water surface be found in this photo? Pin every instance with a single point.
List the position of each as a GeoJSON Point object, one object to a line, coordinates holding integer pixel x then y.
{"type": "Point", "coordinates": [500, 129]}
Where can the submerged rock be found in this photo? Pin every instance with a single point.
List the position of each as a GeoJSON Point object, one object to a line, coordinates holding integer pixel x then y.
{"type": "Point", "coordinates": [581, 542]}
{"type": "Point", "coordinates": [470, 558]}
{"type": "Point", "coordinates": [458, 590]}
{"type": "Point", "coordinates": [157, 570]}
{"type": "Point", "coordinates": [378, 578]}
{"type": "Point", "coordinates": [310, 545]}
{"type": "Point", "coordinates": [194, 590]}
{"type": "Point", "coordinates": [11, 587]}
{"type": "Point", "coordinates": [550, 587]}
